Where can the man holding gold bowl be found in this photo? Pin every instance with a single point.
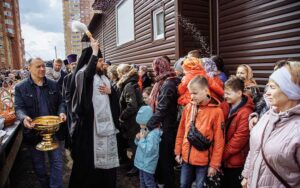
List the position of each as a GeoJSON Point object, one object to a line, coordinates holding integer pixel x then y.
{"type": "Point", "coordinates": [38, 96]}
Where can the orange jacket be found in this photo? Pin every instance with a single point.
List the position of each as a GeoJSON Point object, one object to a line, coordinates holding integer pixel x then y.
{"type": "Point", "coordinates": [218, 81]}
{"type": "Point", "coordinates": [140, 83]}
{"type": "Point", "coordinates": [184, 94]}
{"type": "Point", "coordinates": [209, 122]}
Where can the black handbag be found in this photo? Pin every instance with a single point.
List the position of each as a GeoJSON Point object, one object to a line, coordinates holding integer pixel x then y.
{"type": "Point", "coordinates": [194, 136]}
{"type": "Point", "coordinates": [215, 181]}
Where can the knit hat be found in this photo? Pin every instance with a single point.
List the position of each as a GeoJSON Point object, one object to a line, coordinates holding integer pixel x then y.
{"type": "Point", "coordinates": [178, 64]}
{"type": "Point", "coordinates": [144, 115]}
{"type": "Point", "coordinates": [66, 62]}
{"type": "Point", "coordinates": [192, 63]}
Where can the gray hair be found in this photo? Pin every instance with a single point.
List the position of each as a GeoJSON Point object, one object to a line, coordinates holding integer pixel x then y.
{"type": "Point", "coordinates": [35, 58]}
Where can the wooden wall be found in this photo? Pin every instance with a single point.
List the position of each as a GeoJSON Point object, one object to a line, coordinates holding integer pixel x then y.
{"type": "Point", "coordinates": [194, 23]}
{"type": "Point", "coordinates": [143, 49]}
{"type": "Point", "coordinates": [258, 33]}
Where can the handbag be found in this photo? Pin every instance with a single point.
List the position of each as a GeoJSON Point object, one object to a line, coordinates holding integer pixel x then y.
{"type": "Point", "coordinates": [194, 136]}
{"type": "Point", "coordinates": [7, 110]}
{"type": "Point", "coordinates": [201, 143]}
{"type": "Point", "coordinates": [214, 181]}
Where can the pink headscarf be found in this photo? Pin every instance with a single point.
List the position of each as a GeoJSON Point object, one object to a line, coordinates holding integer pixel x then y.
{"type": "Point", "coordinates": [162, 71]}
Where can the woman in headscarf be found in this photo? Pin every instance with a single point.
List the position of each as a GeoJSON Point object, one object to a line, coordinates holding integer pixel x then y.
{"type": "Point", "coordinates": [163, 100]}
{"type": "Point", "coordinates": [274, 156]}
{"type": "Point", "coordinates": [211, 70]}
{"type": "Point", "coordinates": [245, 73]}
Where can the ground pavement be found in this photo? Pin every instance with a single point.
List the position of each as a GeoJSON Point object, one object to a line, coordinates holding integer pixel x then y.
{"type": "Point", "coordinates": [22, 175]}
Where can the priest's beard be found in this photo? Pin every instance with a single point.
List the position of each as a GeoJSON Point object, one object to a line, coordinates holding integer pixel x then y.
{"type": "Point", "coordinates": [99, 72]}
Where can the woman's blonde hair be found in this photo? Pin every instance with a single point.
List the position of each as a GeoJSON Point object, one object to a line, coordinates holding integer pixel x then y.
{"type": "Point", "coordinates": [113, 71]}
{"type": "Point", "coordinates": [248, 70]}
{"type": "Point", "coordinates": [294, 69]}
{"type": "Point", "coordinates": [123, 69]}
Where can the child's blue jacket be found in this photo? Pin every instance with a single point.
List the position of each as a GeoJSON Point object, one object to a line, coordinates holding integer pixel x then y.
{"type": "Point", "coordinates": [146, 156]}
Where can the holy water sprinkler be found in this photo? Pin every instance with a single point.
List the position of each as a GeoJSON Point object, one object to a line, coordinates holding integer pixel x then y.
{"type": "Point", "coordinates": [77, 26]}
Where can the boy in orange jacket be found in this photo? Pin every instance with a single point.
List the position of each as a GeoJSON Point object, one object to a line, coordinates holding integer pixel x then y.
{"type": "Point", "coordinates": [208, 121]}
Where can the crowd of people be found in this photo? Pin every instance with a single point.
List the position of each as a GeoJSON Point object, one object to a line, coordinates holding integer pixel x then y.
{"type": "Point", "coordinates": [9, 77]}
{"type": "Point", "coordinates": [191, 117]}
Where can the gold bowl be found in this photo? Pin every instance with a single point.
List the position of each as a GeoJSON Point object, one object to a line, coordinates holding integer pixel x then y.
{"type": "Point", "coordinates": [47, 126]}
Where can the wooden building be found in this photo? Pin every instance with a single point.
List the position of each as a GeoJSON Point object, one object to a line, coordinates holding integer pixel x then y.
{"type": "Point", "coordinates": [257, 33]}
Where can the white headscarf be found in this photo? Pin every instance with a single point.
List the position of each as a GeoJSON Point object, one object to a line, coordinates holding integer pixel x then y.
{"type": "Point", "coordinates": [284, 79]}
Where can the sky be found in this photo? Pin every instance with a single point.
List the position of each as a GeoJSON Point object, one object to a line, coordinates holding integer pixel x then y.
{"type": "Point", "coordinates": [42, 28]}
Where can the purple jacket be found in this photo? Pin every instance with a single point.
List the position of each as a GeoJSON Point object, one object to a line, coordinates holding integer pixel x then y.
{"type": "Point", "coordinates": [281, 148]}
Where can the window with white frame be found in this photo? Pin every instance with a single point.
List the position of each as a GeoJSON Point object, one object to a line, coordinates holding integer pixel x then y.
{"type": "Point", "coordinates": [125, 21]}
{"type": "Point", "coordinates": [158, 24]}
{"type": "Point", "coordinates": [9, 22]}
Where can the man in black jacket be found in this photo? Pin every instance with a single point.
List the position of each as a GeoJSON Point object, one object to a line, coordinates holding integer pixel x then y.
{"type": "Point", "coordinates": [38, 96]}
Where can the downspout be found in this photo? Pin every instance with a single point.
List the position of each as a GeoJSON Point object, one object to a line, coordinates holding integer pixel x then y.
{"type": "Point", "coordinates": [178, 36]}
{"type": "Point", "coordinates": [102, 33]}
{"type": "Point", "coordinates": [214, 27]}
{"type": "Point", "coordinates": [217, 25]}
{"type": "Point", "coordinates": [210, 27]}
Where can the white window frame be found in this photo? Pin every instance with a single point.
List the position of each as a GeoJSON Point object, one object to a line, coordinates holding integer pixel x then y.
{"type": "Point", "coordinates": [8, 22]}
{"type": "Point", "coordinates": [154, 23]}
{"type": "Point", "coordinates": [131, 17]}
